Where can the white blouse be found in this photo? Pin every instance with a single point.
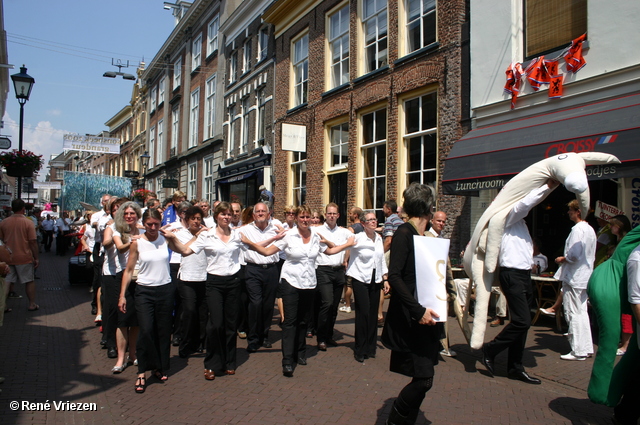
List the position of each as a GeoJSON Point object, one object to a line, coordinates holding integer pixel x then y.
{"type": "Point", "coordinates": [299, 270]}
{"type": "Point", "coordinates": [223, 258]}
{"type": "Point", "coordinates": [153, 258]}
{"type": "Point", "coordinates": [367, 255]}
{"type": "Point", "coordinates": [193, 268]}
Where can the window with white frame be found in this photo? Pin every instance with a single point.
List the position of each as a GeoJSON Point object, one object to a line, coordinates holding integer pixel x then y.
{"type": "Point", "coordinates": [339, 140]}
{"type": "Point", "coordinates": [231, 137]}
{"type": "Point", "coordinates": [246, 56]}
{"type": "Point", "coordinates": [161, 90]}
{"type": "Point", "coordinates": [210, 112]}
{"type": "Point", "coordinates": [159, 189]}
{"type": "Point", "coordinates": [161, 148]}
{"type": "Point", "coordinates": [212, 35]}
{"type": "Point", "coordinates": [374, 27]}
{"type": "Point", "coordinates": [260, 117]}
{"type": "Point", "coordinates": [245, 124]}
{"type": "Point", "coordinates": [421, 23]}
{"type": "Point", "coordinates": [339, 46]}
{"type": "Point", "coordinates": [152, 146]}
{"type": "Point", "coordinates": [175, 129]}
{"type": "Point", "coordinates": [177, 73]}
{"type": "Point", "coordinates": [263, 43]}
{"type": "Point", "coordinates": [154, 98]}
{"type": "Point", "coordinates": [196, 52]}
{"type": "Point", "coordinates": [421, 138]}
{"type": "Point", "coordinates": [233, 66]}
{"type": "Point", "coordinates": [374, 160]}
{"type": "Point", "coordinates": [300, 62]}
{"type": "Point", "coordinates": [192, 182]}
{"type": "Point", "coordinates": [195, 113]}
{"type": "Point", "coordinates": [299, 178]}
{"type": "Point", "coordinates": [208, 186]}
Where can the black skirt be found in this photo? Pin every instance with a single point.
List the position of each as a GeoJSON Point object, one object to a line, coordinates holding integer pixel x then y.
{"type": "Point", "coordinates": [130, 318]}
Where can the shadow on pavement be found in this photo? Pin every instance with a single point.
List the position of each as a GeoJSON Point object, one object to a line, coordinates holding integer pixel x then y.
{"type": "Point", "coordinates": [575, 409]}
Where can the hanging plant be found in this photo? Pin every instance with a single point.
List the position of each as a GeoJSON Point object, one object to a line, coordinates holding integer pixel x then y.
{"type": "Point", "coordinates": [21, 164]}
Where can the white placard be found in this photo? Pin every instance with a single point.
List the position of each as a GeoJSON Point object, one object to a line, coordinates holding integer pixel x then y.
{"type": "Point", "coordinates": [47, 185]}
{"type": "Point", "coordinates": [606, 211]}
{"type": "Point", "coordinates": [77, 142]}
{"type": "Point", "coordinates": [431, 255]}
{"type": "Point", "coordinates": [294, 137]}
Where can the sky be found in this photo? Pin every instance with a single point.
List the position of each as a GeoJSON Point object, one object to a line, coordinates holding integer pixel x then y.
{"type": "Point", "coordinates": [66, 46]}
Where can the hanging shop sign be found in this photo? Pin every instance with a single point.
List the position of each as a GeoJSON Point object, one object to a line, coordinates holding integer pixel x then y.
{"type": "Point", "coordinates": [47, 185]}
{"type": "Point", "coordinates": [77, 142]}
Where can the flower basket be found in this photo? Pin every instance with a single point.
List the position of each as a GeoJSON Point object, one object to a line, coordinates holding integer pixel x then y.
{"type": "Point", "coordinates": [140, 194]}
{"type": "Point", "coordinates": [21, 164]}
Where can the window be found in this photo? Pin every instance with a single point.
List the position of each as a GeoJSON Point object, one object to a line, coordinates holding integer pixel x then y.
{"type": "Point", "coordinates": [161, 90]}
{"type": "Point", "coordinates": [177, 73]}
{"type": "Point", "coordinates": [421, 138]}
{"type": "Point", "coordinates": [260, 100]}
{"type": "Point", "coordinates": [212, 35]}
{"type": "Point", "coordinates": [192, 183]}
{"type": "Point", "coordinates": [152, 146]}
{"type": "Point", "coordinates": [300, 69]}
{"type": "Point", "coordinates": [246, 54]}
{"type": "Point", "coordinates": [339, 46]}
{"type": "Point", "coordinates": [210, 117]}
{"type": "Point", "coordinates": [299, 182]}
{"type": "Point", "coordinates": [231, 145]}
{"type": "Point", "coordinates": [339, 140]}
{"type": "Point", "coordinates": [208, 180]}
{"type": "Point", "coordinates": [374, 158]}
{"type": "Point", "coordinates": [196, 53]}
{"type": "Point", "coordinates": [374, 25]}
{"type": "Point", "coordinates": [159, 188]}
{"type": "Point", "coordinates": [160, 149]}
{"type": "Point", "coordinates": [245, 124]}
{"type": "Point", "coordinates": [553, 25]}
{"type": "Point", "coordinates": [263, 44]}
{"type": "Point", "coordinates": [175, 128]}
{"type": "Point", "coordinates": [195, 112]}
{"type": "Point", "coordinates": [154, 97]}
{"type": "Point", "coordinates": [233, 66]}
{"type": "Point", "coordinates": [421, 23]}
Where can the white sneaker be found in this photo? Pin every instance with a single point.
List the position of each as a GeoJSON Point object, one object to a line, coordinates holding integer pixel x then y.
{"type": "Point", "coordinates": [547, 312]}
{"type": "Point", "coordinates": [448, 353]}
{"type": "Point", "coordinates": [98, 318]}
{"type": "Point", "coordinates": [570, 356]}
{"type": "Point", "coordinates": [620, 352]}
{"type": "Point", "coordinates": [345, 309]}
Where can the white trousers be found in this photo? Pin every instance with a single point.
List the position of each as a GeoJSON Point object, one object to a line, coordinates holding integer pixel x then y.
{"type": "Point", "coordinates": [575, 311]}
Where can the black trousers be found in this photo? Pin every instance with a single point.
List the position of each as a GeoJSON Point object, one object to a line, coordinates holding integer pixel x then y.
{"type": "Point", "coordinates": [177, 309]}
{"type": "Point", "coordinates": [97, 272]}
{"type": "Point", "coordinates": [516, 287]}
{"type": "Point", "coordinates": [243, 315]}
{"type": "Point", "coordinates": [62, 242]}
{"type": "Point", "coordinates": [367, 298]}
{"type": "Point", "coordinates": [296, 302]}
{"type": "Point", "coordinates": [154, 305]}
{"type": "Point", "coordinates": [330, 284]}
{"type": "Point", "coordinates": [261, 288]}
{"type": "Point", "coordinates": [194, 316]}
{"type": "Point", "coordinates": [223, 299]}
{"type": "Point", "coordinates": [628, 410]}
{"type": "Point", "coordinates": [110, 297]}
{"type": "Point", "coordinates": [47, 239]}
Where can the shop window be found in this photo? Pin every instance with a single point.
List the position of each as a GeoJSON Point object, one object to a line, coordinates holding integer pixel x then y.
{"type": "Point", "coordinates": [552, 25]}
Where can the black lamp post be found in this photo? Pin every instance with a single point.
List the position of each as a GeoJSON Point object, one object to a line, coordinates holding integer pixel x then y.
{"type": "Point", "coordinates": [144, 161]}
{"type": "Point", "coordinates": [22, 83]}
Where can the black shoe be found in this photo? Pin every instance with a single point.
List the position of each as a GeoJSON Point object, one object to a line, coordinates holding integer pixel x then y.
{"type": "Point", "coordinates": [94, 310]}
{"type": "Point", "coordinates": [176, 341]}
{"type": "Point", "coordinates": [287, 370]}
{"type": "Point", "coordinates": [524, 377]}
{"type": "Point", "coordinates": [103, 343]}
{"type": "Point", "coordinates": [358, 358]}
{"type": "Point", "coordinates": [322, 346]}
{"type": "Point", "coordinates": [252, 348]}
{"type": "Point", "coordinates": [487, 361]}
{"type": "Point", "coordinates": [371, 356]}
{"type": "Point", "coordinates": [332, 343]}
{"type": "Point", "coordinates": [112, 353]}
{"type": "Point", "coordinates": [302, 361]}
{"type": "Point", "coordinates": [267, 344]}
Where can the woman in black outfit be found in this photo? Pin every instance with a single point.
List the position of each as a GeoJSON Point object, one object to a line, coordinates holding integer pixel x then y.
{"type": "Point", "coordinates": [409, 329]}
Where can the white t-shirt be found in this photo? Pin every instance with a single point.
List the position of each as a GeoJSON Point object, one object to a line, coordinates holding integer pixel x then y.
{"type": "Point", "coordinates": [633, 279]}
{"type": "Point", "coordinates": [153, 258]}
{"type": "Point", "coordinates": [193, 268]}
{"type": "Point", "coordinates": [580, 254]}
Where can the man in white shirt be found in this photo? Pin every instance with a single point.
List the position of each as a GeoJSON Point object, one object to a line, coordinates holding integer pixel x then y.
{"type": "Point", "coordinates": [261, 277]}
{"type": "Point", "coordinates": [47, 230]}
{"type": "Point", "coordinates": [98, 219]}
{"type": "Point", "coordinates": [236, 209]}
{"type": "Point", "coordinates": [62, 229]}
{"type": "Point", "coordinates": [330, 276]}
{"type": "Point", "coordinates": [516, 251]}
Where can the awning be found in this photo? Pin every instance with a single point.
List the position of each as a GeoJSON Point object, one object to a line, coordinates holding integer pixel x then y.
{"type": "Point", "coordinates": [486, 158]}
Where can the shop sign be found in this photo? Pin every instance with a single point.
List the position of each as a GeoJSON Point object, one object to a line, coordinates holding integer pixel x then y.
{"type": "Point", "coordinates": [170, 183]}
{"type": "Point", "coordinates": [77, 142]}
{"type": "Point", "coordinates": [606, 211]}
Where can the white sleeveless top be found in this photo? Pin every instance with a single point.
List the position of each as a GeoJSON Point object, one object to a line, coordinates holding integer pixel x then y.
{"type": "Point", "coordinates": [153, 258]}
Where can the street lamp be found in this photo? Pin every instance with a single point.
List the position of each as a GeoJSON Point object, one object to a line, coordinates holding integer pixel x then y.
{"type": "Point", "coordinates": [144, 161]}
{"type": "Point", "coordinates": [22, 83]}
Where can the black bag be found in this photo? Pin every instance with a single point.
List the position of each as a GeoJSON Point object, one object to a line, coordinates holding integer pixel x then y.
{"type": "Point", "coordinates": [80, 269]}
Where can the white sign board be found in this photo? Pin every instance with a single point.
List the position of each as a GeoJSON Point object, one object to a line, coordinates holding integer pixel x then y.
{"type": "Point", "coordinates": [77, 142]}
{"type": "Point", "coordinates": [294, 137]}
{"type": "Point", "coordinates": [47, 185]}
{"type": "Point", "coordinates": [606, 211]}
{"type": "Point", "coordinates": [431, 255]}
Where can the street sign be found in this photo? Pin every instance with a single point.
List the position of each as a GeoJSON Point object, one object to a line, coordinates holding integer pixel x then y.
{"type": "Point", "coordinates": [170, 183]}
{"type": "Point", "coordinates": [130, 173]}
{"type": "Point", "coordinates": [5, 143]}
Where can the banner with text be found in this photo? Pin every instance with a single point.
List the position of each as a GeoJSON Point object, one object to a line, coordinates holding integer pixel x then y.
{"type": "Point", "coordinates": [47, 185]}
{"type": "Point", "coordinates": [606, 211]}
{"type": "Point", "coordinates": [77, 142]}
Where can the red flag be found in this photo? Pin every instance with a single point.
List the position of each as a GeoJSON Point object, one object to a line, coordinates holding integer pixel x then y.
{"type": "Point", "coordinates": [555, 87]}
{"type": "Point", "coordinates": [574, 58]}
{"type": "Point", "coordinates": [514, 79]}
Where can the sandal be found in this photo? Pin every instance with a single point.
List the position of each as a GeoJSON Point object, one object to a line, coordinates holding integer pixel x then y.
{"type": "Point", "coordinates": [158, 374]}
{"type": "Point", "coordinates": [141, 384]}
{"type": "Point", "coordinates": [209, 375]}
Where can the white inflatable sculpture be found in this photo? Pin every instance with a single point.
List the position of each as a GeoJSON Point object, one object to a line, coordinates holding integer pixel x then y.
{"type": "Point", "coordinates": [481, 255]}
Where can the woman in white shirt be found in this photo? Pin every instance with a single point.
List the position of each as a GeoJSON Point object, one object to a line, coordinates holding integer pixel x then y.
{"type": "Point", "coordinates": [154, 299]}
{"type": "Point", "coordinates": [297, 282]}
{"type": "Point", "coordinates": [126, 226]}
{"type": "Point", "coordinates": [368, 270]}
{"type": "Point", "coordinates": [222, 247]}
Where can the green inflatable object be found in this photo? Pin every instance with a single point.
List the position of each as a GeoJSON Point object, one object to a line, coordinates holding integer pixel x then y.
{"type": "Point", "coordinates": [608, 296]}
